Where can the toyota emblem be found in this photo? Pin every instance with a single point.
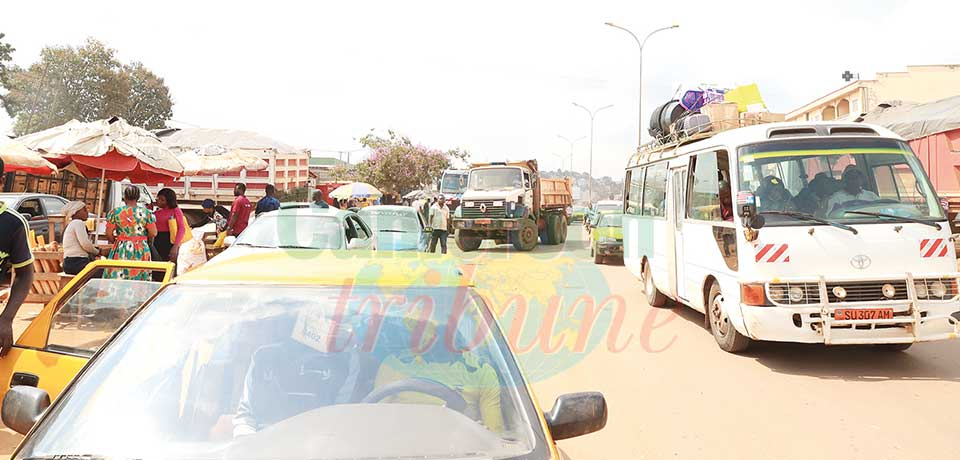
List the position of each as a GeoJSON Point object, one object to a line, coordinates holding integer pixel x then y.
{"type": "Point", "coordinates": [860, 262]}
{"type": "Point", "coordinates": [483, 207]}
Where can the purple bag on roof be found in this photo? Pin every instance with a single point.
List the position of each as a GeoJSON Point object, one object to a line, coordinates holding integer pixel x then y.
{"type": "Point", "coordinates": [692, 100]}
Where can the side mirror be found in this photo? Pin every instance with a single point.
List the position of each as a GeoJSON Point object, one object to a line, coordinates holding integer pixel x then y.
{"type": "Point", "coordinates": [355, 243]}
{"type": "Point", "coordinates": [228, 241]}
{"type": "Point", "coordinates": [576, 414]}
{"type": "Point", "coordinates": [756, 222]}
{"type": "Point", "coordinates": [526, 184]}
{"type": "Point", "coordinates": [26, 215]}
{"type": "Point", "coordinates": [23, 406]}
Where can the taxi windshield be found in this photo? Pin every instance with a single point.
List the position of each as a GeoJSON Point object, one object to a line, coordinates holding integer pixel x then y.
{"type": "Point", "coordinates": [391, 221]}
{"type": "Point", "coordinates": [267, 372]}
{"type": "Point", "coordinates": [287, 228]}
{"type": "Point", "coordinates": [844, 180]}
{"type": "Point", "coordinates": [612, 220]}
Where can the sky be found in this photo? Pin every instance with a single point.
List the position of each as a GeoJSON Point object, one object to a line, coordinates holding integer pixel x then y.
{"type": "Point", "coordinates": [497, 78]}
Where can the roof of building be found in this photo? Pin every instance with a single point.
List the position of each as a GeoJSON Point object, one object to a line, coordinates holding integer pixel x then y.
{"type": "Point", "coordinates": [913, 121]}
{"type": "Point", "coordinates": [326, 161]}
{"type": "Point", "coordinates": [191, 138]}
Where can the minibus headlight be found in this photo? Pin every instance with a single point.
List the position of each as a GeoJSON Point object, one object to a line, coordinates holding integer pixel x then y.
{"type": "Point", "coordinates": [921, 288]}
{"type": "Point", "coordinates": [938, 289]}
{"type": "Point", "coordinates": [840, 292]}
{"type": "Point", "coordinates": [888, 291]}
{"type": "Point", "coordinates": [778, 294]}
{"type": "Point", "coordinates": [796, 294]}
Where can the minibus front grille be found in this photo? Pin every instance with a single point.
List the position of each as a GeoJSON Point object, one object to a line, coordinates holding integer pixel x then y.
{"type": "Point", "coordinates": [866, 291]}
{"type": "Point", "coordinates": [798, 293]}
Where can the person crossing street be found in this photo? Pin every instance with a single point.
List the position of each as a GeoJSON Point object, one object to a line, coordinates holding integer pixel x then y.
{"type": "Point", "coordinates": [439, 215]}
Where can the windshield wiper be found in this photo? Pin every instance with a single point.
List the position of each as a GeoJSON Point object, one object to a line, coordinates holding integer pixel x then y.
{"type": "Point", "coordinates": [69, 457]}
{"type": "Point", "coordinates": [249, 245]}
{"type": "Point", "coordinates": [900, 218]}
{"type": "Point", "coordinates": [811, 217]}
{"type": "Point", "coordinates": [290, 246]}
{"type": "Point", "coordinates": [390, 230]}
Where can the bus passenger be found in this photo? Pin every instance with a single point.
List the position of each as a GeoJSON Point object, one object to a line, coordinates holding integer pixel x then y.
{"type": "Point", "coordinates": [853, 181]}
{"type": "Point", "coordinates": [773, 196]}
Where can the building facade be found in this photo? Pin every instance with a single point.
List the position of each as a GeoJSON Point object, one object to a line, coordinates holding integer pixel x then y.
{"type": "Point", "coordinates": [924, 83]}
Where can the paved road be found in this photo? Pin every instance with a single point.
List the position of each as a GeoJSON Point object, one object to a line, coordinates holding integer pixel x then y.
{"type": "Point", "coordinates": [674, 394]}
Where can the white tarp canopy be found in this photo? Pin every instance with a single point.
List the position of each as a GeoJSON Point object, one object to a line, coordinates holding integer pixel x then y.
{"type": "Point", "coordinates": [217, 159]}
{"type": "Point", "coordinates": [913, 121]}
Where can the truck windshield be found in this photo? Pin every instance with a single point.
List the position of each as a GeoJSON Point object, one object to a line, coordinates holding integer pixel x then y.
{"type": "Point", "coordinates": [843, 180]}
{"type": "Point", "coordinates": [496, 179]}
{"type": "Point", "coordinates": [451, 183]}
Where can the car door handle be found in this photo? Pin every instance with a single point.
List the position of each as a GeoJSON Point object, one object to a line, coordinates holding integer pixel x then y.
{"type": "Point", "coordinates": [24, 378]}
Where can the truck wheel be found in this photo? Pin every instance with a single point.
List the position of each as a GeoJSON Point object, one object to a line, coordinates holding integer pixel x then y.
{"type": "Point", "coordinates": [545, 237]}
{"type": "Point", "coordinates": [525, 239]}
{"type": "Point", "coordinates": [654, 297]}
{"type": "Point", "coordinates": [468, 243]}
{"type": "Point", "coordinates": [551, 229]}
{"type": "Point", "coordinates": [561, 230]}
{"type": "Point", "coordinates": [597, 258]}
{"type": "Point", "coordinates": [726, 335]}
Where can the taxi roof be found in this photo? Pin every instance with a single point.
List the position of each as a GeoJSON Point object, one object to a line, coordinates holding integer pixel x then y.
{"type": "Point", "coordinates": [332, 268]}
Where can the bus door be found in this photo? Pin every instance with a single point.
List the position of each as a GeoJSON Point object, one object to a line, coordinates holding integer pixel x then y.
{"type": "Point", "coordinates": [678, 204]}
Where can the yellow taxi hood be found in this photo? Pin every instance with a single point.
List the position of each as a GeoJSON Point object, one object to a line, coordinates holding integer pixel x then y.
{"type": "Point", "coordinates": [332, 268]}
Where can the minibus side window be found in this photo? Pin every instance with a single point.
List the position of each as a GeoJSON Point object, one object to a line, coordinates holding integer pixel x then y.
{"type": "Point", "coordinates": [655, 190]}
{"type": "Point", "coordinates": [710, 197]}
{"type": "Point", "coordinates": [635, 194]}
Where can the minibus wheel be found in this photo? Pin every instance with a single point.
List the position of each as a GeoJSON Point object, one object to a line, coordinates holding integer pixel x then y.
{"type": "Point", "coordinates": [654, 297]}
{"type": "Point", "coordinates": [726, 335]}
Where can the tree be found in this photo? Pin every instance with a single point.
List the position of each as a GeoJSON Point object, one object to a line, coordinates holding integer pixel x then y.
{"type": "Point", "coordinates": [86, 83]}
{"type": "Point", "coordinates": [6, 55]}
{"type": "Point", "coordinates": [397, 165]}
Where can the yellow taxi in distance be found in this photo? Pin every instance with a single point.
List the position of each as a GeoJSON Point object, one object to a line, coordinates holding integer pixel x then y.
{"type": "Point", "coordinates": [298, 354]}
{"type": "Point", "coordinates": [70, 328]}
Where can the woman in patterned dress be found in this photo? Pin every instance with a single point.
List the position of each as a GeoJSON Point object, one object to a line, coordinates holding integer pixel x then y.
{"type": "Point", "coordinates": [129, 229]}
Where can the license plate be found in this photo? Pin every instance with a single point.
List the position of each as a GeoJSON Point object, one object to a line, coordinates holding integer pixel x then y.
{"type": "Point", "coordinates": [482, 221]}
{"type": "Point", "coordinates": [848, 314]}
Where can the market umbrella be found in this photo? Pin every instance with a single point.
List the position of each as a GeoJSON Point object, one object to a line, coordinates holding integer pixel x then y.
{"type": "Point", "coordinates": [217, 159]}
{"type": "Point", "coordinates": [356, 190]}
{"type": "Point", "coordinates": [18, 157]}
{"type": "Point", "coordinates": [415, 194]}
{"type": "Point", "coordinates": [109, 149]}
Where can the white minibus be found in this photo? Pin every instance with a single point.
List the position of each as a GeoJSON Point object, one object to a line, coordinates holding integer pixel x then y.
{"type": "Point", "coordinates": [795, 232]}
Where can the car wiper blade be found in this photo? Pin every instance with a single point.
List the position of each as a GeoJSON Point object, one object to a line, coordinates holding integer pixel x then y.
{"type": "Point", "coordinates": [392, 231]}
{"type": "Point", "coordinates": [69, 457]}
{"type": "Point", "coordinates": [900, 218]}
{"type": "Point", "coordinates": [811, 217]}
{"type": "Point", "coordinates": [287, 246]}
{"type": "Point", "coordinates": [248, 245]}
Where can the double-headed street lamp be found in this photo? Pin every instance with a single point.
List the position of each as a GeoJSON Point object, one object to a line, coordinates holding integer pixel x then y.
{"type": "Point", "coordinates": [640, 73]}
{"type": "Point", "coordinates": [592, 115]}
{"type": "Point", "coordinates": [571, 147]}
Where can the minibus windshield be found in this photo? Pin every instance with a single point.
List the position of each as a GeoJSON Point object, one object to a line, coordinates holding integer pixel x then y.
{"type": "Point", "coordinates": [848, 180]}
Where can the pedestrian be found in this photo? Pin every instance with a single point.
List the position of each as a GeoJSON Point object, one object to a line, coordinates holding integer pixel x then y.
{"type": "Point", "coordinates": [239, 211]}
{"type": "Point", "coordinates": [269, 202]}
{"type": "Point", "coordinates": [15, 255]}
{"type": "Point", "coordinates": [78, 250]}
{"type": "Point", "coordinates": [129, 229]}
{"type": "Point", "coordinates": [439, 215]}
{"type": "Point", "coordinates": [215, 214]}
{"type": "Point", "coordinates": [169, 216]}
{"type": "Point", "coordinates": [318, 200]}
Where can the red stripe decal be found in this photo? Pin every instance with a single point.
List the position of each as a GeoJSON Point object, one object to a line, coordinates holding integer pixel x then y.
{"type": "Point", "coordinates": [943, 252]}
{"type": "Point", "coordinates": [923, 244]}
{"type": "Point", "coordinates": [933, 248]}
{"type": "Point", "coordinates": [776, 255]}
{"type": "Point", "coordinates": [764, 251]}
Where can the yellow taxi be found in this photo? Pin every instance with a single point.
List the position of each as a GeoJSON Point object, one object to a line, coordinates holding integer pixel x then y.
{"type": "Point", "coordinates": [297, 354]}
{"type": "Point", "coordinates": [76, 322]}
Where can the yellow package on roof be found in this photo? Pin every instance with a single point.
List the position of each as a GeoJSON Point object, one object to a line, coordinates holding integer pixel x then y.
{"type": "Point", "coordinates": [744, 96]}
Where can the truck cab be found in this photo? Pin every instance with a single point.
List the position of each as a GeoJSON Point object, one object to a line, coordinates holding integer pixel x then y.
{"type": "Point", "coordinates": [510, 202]}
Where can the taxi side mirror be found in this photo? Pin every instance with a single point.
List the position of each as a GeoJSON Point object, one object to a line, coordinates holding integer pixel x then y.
{"type": "Point", "coordinates": [229, 241]}
{"type": "Point", "coordinates": [22, 407]}
{"type": "Point", "coordinates": [576, 414]}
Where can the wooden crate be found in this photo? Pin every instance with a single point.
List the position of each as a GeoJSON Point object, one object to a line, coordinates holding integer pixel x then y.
{"type": "Point", "coordinates": [723, 116]}
{"type": "Point", "coordinates": [47, 266]}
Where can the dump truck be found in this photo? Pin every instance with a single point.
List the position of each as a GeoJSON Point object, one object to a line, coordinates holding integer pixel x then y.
{"type": "Point", "coordinates": [512, 203]}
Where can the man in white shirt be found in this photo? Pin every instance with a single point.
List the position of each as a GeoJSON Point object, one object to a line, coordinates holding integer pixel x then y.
{"type": "Point", "coordinates": [439, 214]}
{"type": "Point", "coordinates": [853, 181]}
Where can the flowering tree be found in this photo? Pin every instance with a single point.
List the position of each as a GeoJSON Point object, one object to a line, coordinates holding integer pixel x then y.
{"type": "Point", "coordinates": [397, 165]}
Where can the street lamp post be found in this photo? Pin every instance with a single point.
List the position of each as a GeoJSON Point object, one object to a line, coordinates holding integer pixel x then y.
{"type": "Point", "coordinates": [640, 72]}
{"type": "Point", "coordinates": [571, 147]}
{"type": "Point", "coordinates": [561, 159]}
{"type": "Point", "coordinates": [592, 115]}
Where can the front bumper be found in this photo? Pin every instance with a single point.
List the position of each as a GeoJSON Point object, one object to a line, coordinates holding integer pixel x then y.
{"type": "Point", "coordinates": [610, 249]}
{"type": "Point", "coordinates": [486, 224]}
{"type": "Point", "coordinates": [915, 320]}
